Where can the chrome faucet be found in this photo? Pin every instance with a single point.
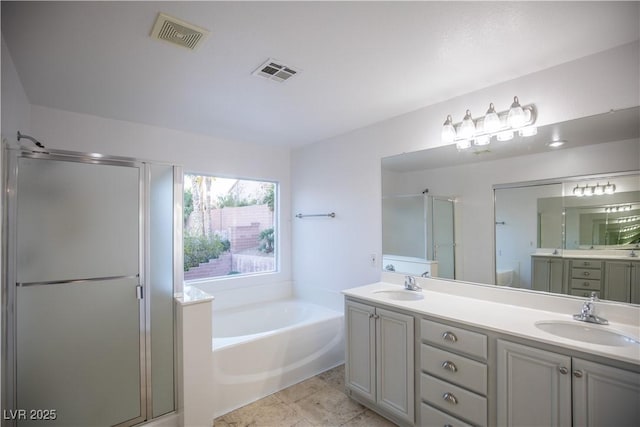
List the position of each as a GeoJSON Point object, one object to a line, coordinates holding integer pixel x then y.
{"type": "Point", "coordinates": [588, 312]}
{"type": "Point", "coordinates": [410, 284]}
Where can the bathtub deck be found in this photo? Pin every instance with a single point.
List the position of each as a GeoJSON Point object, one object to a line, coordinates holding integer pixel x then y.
{"type": "Point", "coordinates": [318, 401]}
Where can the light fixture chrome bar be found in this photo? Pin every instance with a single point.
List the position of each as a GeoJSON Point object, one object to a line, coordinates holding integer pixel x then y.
{"type": "Point", "coordinates": [76, 281]}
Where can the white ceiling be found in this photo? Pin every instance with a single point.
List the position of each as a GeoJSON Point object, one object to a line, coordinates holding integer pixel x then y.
{"type": "Point", "coordinates": [361, 62]}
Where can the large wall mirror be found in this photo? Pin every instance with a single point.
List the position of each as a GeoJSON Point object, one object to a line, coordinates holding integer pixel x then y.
{"type": "Point", "coordinates": [514, 203]}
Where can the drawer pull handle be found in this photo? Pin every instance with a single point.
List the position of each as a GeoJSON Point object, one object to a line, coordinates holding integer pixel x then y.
{"type": "Point", "coordinates": [449, 336]}
{"type": "Point", "coordinates": [563, 370]}
{"type": "Point", "coordinates": [586, 284]}
{"type": "Point", "coordinates": [586, 273]}
{"type": "Point", "coordinates": [449, 366]}
{"type": "Point", "coordinates": [450, 398]}
{"type": "Point", "coordinates": [586, 263]}
{"type": "Point", "coordinates": [577, 373]}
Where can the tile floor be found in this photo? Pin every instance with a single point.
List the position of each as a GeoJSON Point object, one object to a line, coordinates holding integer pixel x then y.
{"type": "Point", "coordinates": [319, 401]}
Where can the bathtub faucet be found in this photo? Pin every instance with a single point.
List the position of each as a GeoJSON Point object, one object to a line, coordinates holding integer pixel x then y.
{"type": "Point", "coordinates": [410, 284]}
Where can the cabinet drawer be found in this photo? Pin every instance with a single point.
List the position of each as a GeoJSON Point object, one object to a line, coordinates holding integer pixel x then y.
{"type": "Point", "coordinates": [583, 293]}
{"type": "Point", "coordinates": [456, 369]}
{"type": "Point", "coordinates": [430, 416]}
{"type": "Point", "coordinates": [583, 263]}
{"type": "Point", "coordinates": [585, 273]}
{"type": "Point", "coordinates": [588, 284]}
{"type": "Point", "coordinates": [453, 338]}
{"type": "Point", "coordinates": [458, 401]}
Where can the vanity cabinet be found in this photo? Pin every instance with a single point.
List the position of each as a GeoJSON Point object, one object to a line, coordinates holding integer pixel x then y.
{"type": "Point", "coordinates": [453, 375]}
{"type": "Point", "coordinates": [547, 274]}
{"type": "Point", "coordinates": [540, 387]}
{"type": "Point", "coordinates": [379, 366]}
{"type": "Point", "coordinates": [622, 281]}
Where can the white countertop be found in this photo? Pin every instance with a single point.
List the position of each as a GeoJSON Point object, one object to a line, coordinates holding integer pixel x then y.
{"type": "Point", "coordinates": [512, 319]}
{"type": "Point", "coordinates": [613, 254]}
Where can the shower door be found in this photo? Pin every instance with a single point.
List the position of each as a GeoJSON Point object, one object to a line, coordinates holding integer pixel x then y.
{"type": "Point", "coordinates": [79, 342]}
{"type": "Point", "coordinates": [442, 235]}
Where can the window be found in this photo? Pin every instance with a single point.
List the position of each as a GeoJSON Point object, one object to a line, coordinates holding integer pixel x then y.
{"type": "Point", "coordinates": [229, 227]}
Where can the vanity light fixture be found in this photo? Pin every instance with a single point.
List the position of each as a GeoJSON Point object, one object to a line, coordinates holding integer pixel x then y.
{"type": "Point", "coordinates": [502, 125]}
{"type": "Point", "coordinates": [594, 190]}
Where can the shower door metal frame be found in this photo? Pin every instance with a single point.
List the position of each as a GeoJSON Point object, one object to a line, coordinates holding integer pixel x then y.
{"type": "Point", "coordinates": [9, 268]}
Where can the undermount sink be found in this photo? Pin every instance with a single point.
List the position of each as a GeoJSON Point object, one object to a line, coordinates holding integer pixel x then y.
{"type": "Point", "coordinates": [581, 331]}
{"type": "Point", "coordinates": [400, 295]}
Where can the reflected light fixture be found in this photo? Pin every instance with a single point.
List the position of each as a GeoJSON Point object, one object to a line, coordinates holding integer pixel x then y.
{"type": "Point", "coordinates": [503, 125]}
{"type": "Point", "coordinates": [556, 144]}
{"type": "Point", "coordinates": [594, 190]}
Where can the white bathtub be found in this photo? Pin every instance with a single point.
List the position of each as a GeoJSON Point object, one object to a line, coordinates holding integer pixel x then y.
{"type": "Point", "coordinates": [263, 348]}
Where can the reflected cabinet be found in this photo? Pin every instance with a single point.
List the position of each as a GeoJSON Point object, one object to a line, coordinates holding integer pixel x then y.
{"type": "Point", "coordinates": [615, 280]}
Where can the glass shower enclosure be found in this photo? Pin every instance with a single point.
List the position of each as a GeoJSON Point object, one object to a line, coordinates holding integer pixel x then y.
{"type": "Point", "coordinates": [84, 287]}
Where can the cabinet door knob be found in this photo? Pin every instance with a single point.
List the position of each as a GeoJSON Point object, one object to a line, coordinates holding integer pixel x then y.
{"type": "Point", "coordinates": [370, 315]}
{"type": "Point", "coordinates": [563, 370]}
{"type": "Point", "coordinates": [449, 336]}
{"type": "Point", "coordinates": [577, 373]}
{"type": "Point", "coordinates": [450, 398]}
{"type": "Point", "coordinates": [375, 316]}
{"type": "Point", "coordinates": [449, 366]}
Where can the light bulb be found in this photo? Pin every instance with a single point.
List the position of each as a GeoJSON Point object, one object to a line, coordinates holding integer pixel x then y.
{"type": "Point", "coordinates": [598, 190]}
{"type": "Point", "coordinates": [482, 140]}
{"type": "Point", "coordinates": [588, 191]}
{"type": "Point", "coordinates": [467, 127]}
{"type": "Point", "coordinates": [516, 117]}
{"type": "Point", "coordinates": [609, 188]}
{"type": "Point", "coordinates": [448, 131]}
{"type": "Point", "coordinates": [505, 135]}
{"type": "Point", "coordinates": [463, 144]}
{"type": "Point", "coordinates": [578, 192]}
{"type": "Point", "coordinates": [491, 120]}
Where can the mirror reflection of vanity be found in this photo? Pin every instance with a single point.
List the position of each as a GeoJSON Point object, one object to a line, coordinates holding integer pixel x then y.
{"type": "Point", "coordinates": [536, 216]}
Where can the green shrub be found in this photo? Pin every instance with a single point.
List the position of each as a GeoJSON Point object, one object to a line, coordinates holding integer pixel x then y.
{"type": "Point", "coordinates": [200, 249]}
{"type": "Point", "coordinates": [266, 240]}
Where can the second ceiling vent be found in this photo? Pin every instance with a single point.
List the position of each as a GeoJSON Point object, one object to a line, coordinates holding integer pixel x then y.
{"type": "Point", "coordinates": [275, 70]}
{"type": "Point", "coordinates": [178, 32]}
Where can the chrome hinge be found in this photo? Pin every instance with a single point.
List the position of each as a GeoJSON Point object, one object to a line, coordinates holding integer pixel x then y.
{"type": "Point", "coordinates": [139, 293]}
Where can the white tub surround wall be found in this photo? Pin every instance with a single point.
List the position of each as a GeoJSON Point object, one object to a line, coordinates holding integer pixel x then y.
{"type": "Point", "coordinates": [343, 173]}
{"type": "Point", "coordinates": [195, 377]}
{"type": "Point", "coordinates": [230, 295]}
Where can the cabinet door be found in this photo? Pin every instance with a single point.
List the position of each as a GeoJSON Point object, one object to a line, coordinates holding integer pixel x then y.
{"type": "Point", "coordinates": [617, 286]}
{"type": "Point", "coordinates": [534, 386]}
{"type": "Point", "coordinates": [635, 282]}
{"type": "Point", "coordinates": [540, 272]}
{"type": "Point", "coordinates": [395, 370]}
{"type": "Point", "coordinates": [360, 366]}
{"type": "Point", "coordinates": [556, 276]}
{"type": "Point", "coordinates": [605, 396]}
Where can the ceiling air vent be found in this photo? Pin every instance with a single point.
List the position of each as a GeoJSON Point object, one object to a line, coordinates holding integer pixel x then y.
{"type": "Point", "coordinates": [178, 32]}
{"type": "Point", "coordinates": [275, 70]}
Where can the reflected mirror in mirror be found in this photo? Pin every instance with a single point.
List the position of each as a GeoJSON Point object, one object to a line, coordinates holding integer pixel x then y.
{"type": "Point", "coordinates": [595, 147]}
